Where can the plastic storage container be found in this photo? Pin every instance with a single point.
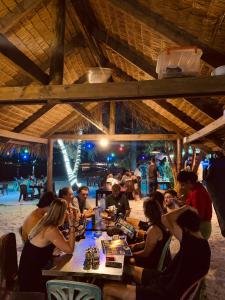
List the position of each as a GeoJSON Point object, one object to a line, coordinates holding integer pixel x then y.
{"type": "Point", "coordinates": [179, 62]}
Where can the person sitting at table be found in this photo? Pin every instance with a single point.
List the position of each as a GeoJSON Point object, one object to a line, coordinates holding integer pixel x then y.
{"type": "Point", "coordinates": [119, 200]}
{"type": "Point", "coordinates": [38, 249]}
{"type": "Point", "coordinates": [36, 215]}
{"type": "Point", "coordinates": [67, 194]}
{"type": "Point", "coordinates": [170, 200]}
{"type": "Point", "coordinates": [84, 205]}
{"type": "Point", "coordinates": [148, 252]}
{"type": "Point", "coordinates": [189, 265]}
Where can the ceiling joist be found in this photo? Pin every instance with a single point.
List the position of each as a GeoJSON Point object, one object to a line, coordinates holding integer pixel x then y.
{"type": "Point", "coordinates": [22, 137]}
{"type": "Point", "coordinates": [115, 91]}
{"type": "Point", "coordinates": [116, 137]}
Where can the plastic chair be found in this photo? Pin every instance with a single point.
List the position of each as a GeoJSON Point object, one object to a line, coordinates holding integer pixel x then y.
{"type": "Point", "coordinates": [71, 290]}
{"type": "Point", "coordinates": [192, 291]}
{"type": "Point", "coordinates": [161, 263]}
{"type": "Point", "coordinates": [8, 261]}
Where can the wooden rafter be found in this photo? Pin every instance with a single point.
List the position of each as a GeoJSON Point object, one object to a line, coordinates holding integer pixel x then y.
{"type": "Point", "coordinates": [65, 122]}
{"type": "Point", "coordinates": [22, 61]}
{"type": "Point", "coordinates": [128, 52]}
{"type": "Point", "coordinates": [212, 127]}
{"type": "Point", "coordinates": [22, 137]}
{"type": "Point", "coordinates": [157, 118]}
{"type": "Point", "coordinates": [86, 19]}
{"type": "Point", "coordinates": [169, 30]}
{"type": "Point", "coordinates": [86, 114]}
{"type": "Point", "coordinates": [115, 91]}
{"type": "Point", "coordinates": [18, 13]}
{"type": "Point", "coordinates": [57, 55]}
{"type": "Point", "coordinates": [116, 137]}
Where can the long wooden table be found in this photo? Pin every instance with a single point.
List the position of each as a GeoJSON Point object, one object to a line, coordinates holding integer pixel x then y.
{"type": "Point", "coordinates": [72, 265]}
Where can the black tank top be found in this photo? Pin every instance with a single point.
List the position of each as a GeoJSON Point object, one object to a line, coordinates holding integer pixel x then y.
{"type": "Point", "coordinates": [151, 261]}
{"type": "Point", "coordinates": [33, 260]}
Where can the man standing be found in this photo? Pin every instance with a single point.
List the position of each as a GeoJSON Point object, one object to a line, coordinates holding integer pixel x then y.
{"type": "Point", "coordinates": [119, 200]}
{"type": "Point", "coordinates": [152, 176]}
{"type": "Point", "coordinates": [199, 198]}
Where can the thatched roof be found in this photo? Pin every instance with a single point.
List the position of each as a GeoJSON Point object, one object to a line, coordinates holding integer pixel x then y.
{"type": "Point", "coordinates": [127, 36]}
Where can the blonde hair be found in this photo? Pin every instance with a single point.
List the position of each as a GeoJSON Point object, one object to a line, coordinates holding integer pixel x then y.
{"type": "Point", "coordinates": [53, 217]}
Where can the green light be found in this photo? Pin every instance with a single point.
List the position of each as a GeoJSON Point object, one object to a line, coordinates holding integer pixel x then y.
{"type": "Point", "coordinates": [26, 151]}
{"type": "Point", "coordinates": [113, 154]}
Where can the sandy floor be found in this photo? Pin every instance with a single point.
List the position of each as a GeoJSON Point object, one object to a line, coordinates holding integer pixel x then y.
{"type": "Point", "coordinates": [12, 216]}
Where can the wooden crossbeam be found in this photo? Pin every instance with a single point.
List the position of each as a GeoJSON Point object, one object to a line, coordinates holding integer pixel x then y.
{"type": "Point", "coordinates": [18, 13]}
{"type": "Point", "coordinates": [168, 30]}
{"type": "Point", "coordinates": [217, 124]}
{"type": "Point", "coordinates": [113, 91]}
{"type": "Point", "coordinates": [22, 61]}
{"type": "Point", "coordinates": [22, 137]}
{"type": "Point", "coordinates": [81, 110]}
{"type": "Point", "coordinates": [116, 137]}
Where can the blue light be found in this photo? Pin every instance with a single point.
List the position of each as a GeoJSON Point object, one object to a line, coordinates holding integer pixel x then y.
{"type": "Point", "coordinates": [25, 156]}
{"type": "Point", "coordinates": [89, 146]}
{"type": "Point", "coordinates": [143, 157]}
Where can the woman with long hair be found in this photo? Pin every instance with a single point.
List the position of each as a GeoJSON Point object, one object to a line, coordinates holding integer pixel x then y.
{"type": "Point", "coordinates": [42, 240]}
{"type": "Point", "coordinates": [156, 236]}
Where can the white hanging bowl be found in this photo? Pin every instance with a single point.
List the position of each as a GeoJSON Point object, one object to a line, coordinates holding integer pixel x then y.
{"type": "Point", "coordinates": [99, 75]}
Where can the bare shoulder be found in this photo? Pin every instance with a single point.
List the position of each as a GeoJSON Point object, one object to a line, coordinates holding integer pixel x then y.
{"type": "Point", "coordinates": [154, 231]}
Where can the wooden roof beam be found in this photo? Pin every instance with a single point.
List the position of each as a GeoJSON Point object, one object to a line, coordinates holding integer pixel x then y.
{"type": "Point", "coordinates": [57, 55]}
{"type": "Point", "coordinates": [65, 122]}
{"type": "Point", "coordinates": [18, 13]}
{"type": "Point", "coordinates": [128, 52]}
{"type": "Point", "coordinates": [22, 61]}
{"type": "Point", "coordinates": [116, 137]}
{"type": "Point", "coordinates": [86, 19]}
{"type": "Point", "coordinates": [169, 30]}
{"type": "Point", "coordinates": [86, 114]}
{"type": "Point", "coordinates": [114, 91]}
{"type": "Point", "coordinates": [22, 137]}
{"type": "Point", "coordinates": [217, 124]}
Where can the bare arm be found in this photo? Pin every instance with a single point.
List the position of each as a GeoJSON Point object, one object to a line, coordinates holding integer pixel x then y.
{"type": "Point", "coordinates": [169, 220]}
{"type": "Point", "coordinates": [56, 237]}
{"type": "Point", "coordinates": [153, 235]}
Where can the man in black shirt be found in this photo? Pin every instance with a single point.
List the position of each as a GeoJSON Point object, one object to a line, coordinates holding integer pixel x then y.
{"type": "Point", "coordinates": [189, 265]}
{"type": "Point", "coordinates": [119, 200]}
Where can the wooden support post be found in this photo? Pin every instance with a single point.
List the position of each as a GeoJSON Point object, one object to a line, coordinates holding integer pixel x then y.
{"type": "Point", "coordinates": [50, 165]}
{"type": "Point", "coordinates": [179, 155]}
{"type": "Point", "coordinates": [112, 118]}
